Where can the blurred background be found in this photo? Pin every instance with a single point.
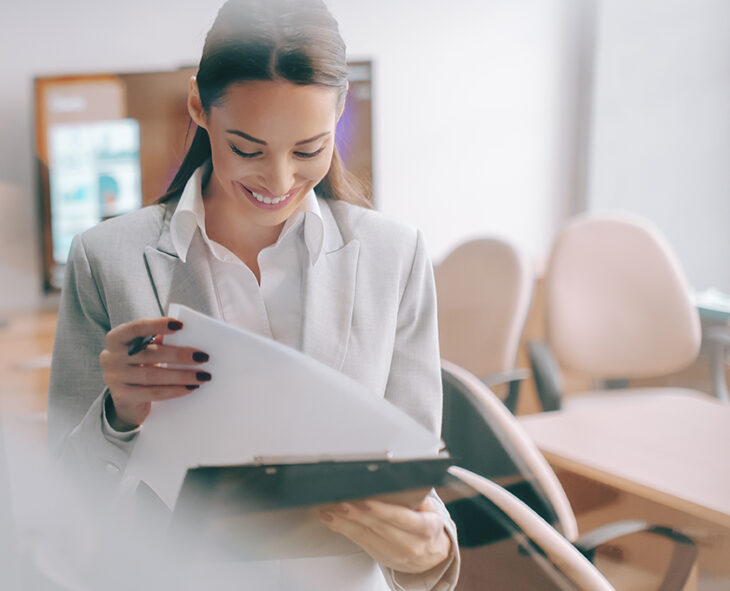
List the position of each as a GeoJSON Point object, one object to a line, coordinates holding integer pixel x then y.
{"type": "Point", "coordinates": [491, 116]}
{"type": "Point", "coordinates": [473, 118]}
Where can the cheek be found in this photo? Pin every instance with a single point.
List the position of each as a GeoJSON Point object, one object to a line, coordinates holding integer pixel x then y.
{"type": "Point", "coordinates": [226, 163]}
{"type": "Point", "coordinates": [318, 169]}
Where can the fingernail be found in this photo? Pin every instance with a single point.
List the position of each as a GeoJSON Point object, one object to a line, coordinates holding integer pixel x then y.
{"type": "Point", "coordinates": [200, 356]}
{"type": "Point", "coordinates": [342, 509]}
{"type": "Point", "coordinates": [192, 386]}
{"type": "Point", "coordinates": [326, 516]}
{"type": "Point", "coordinates": [174, 325]}
{"type": "Point", "coordinates": [203, 376]}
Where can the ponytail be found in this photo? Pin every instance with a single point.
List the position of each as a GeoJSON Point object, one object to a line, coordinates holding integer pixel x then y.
{"type": "Point", "coordinates": [341, 184]}
{"type": "Point", "coordinates": [197, 154]}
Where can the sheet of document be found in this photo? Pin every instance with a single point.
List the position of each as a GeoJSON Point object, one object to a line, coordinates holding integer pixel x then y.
{"type": "Point", "coordinates": [265, 400]}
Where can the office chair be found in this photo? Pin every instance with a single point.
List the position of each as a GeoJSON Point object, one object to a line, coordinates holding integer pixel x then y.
{"type": "Point", "coordinates": [714, 308]}
{"type": "Point", "coordinates": [718, 341]}
{"type": "Point", "coordinates": [527, 553]}
{"type": "Point", "coordinates": [484, 289]}
{"type": "Point", "coordinates": [617, 307]}
{"type": "Point", "coordinates": [486, 439]}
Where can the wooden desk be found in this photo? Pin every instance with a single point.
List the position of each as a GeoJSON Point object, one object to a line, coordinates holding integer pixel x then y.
{"type": "Point", "coordinates": [667, 448]}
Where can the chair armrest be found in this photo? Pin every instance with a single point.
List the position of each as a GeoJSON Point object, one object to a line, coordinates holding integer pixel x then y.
{"type": "Point", "coordinates": [547, 374]}
{"type": "Point", "coordinates": [504, 377]}
{"type": "Point", "coordinates": [719, 335]}
{"type": "Point", "coordinates": [684, 552]}
{"type": "Point", "coordinates": [718, 339]}
{"type": "Point", "coordinates": [512, 377]}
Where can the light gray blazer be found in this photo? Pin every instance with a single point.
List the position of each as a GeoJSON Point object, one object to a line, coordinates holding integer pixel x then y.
{"type": "Point", "coordinates": [369, 311]}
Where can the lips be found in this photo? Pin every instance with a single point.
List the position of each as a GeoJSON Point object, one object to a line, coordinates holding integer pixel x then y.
{"type": "Point", "coordinates": [273, 204]}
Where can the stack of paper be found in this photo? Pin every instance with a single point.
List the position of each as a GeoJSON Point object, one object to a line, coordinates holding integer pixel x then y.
{"type": "Point", "coordinates": [266, 402]}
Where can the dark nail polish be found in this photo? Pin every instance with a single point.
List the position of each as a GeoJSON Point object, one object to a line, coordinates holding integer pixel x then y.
{"type": "Point", "coordinates": [192, 386]}
{"type": "Point", "coordinates": [174, 325]}
{"type": "Point", "coordinates": [200, 356]}
{"type": "Point", "coordinates": [203, 376]}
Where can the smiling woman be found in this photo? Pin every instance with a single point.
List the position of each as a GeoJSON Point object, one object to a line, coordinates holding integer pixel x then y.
{"type": "Point", "coordinates": [261, 176]}
{"type": "Point", "coordinates": [266, 171]}
{"type": "Point", "coordinates": [261, 229]}
{"type": "Point", "coordinates": [241, 46]}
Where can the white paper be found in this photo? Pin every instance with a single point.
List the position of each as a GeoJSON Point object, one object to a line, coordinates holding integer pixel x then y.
{"type": "Point", "coordinates": [264, 399]}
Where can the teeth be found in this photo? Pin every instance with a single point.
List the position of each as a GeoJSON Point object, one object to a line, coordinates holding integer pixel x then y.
{"type": "Point", "coordinates": [268, 200]}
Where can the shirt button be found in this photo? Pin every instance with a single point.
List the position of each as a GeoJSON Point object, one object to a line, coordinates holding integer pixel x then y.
{"type": "Point", "coordinates": [112, 469]}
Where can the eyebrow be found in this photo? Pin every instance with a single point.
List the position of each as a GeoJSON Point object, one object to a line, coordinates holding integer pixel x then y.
{"type": "Point", "coordinates": [263, 143]}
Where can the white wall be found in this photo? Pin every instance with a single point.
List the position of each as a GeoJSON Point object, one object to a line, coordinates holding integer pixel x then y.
{"type": "Point", "coordinates": [475, 118]}
{"type": "Point", "coordinates": [472, 130]}
{"type": "Point", "coordinates": [42, 37]}
{"type": "Point", "coordinates": [661, 132]}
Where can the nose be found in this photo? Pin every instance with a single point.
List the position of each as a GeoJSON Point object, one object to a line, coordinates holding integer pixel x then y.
{"type": "Point", "coordinates": [279, 176]}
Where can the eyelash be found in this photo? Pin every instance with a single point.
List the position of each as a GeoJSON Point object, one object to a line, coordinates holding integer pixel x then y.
{"type": "Point", "coordinates": [305, 155]}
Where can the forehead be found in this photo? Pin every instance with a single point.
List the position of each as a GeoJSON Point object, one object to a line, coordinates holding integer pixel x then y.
{"type": "Point", "coordinates": [277, 111]}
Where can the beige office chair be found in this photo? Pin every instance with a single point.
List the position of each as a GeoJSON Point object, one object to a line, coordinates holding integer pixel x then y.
{"type": "Point", "coordinates": [617, 307]}
{"type": "Point", "coordinates": [486, 439]}
{"type": "Point", "coordinates": [484, 290]}
{"type": "Point", "coordinates": [718, 343]}
{"type": "Point", "coordinates": [555, 549]}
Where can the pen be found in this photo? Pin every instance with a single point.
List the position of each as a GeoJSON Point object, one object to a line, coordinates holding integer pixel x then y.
{"type": "Point", "coordinates": [139, 344]}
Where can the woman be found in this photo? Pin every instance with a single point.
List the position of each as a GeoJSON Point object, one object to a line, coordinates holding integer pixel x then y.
{"type": "Point", "coordinates": [262, 228]}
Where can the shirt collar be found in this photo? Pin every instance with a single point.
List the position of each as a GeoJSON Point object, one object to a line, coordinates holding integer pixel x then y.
{"type": "Point", "coordinates": [309, 215]}
{"type": "Point", "coordinates": [189, 216]}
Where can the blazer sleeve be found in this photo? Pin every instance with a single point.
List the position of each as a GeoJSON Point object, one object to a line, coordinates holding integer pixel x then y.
{"type": "Point", "coordinates": [414, 385]}
{"type": "Point", "coordinates": [76, 393]}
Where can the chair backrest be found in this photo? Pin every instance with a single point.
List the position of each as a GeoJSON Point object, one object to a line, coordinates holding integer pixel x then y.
{"type": "Point", "coordinates": [484, 288]}
{"type": "Point", "coordinates": [617, 302]}
{"type": "Point", "coordinates": [558, 550]}
{"type": "Point", "coordinates": [485, 438]}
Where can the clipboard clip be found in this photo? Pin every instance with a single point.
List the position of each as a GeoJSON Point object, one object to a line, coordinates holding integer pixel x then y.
{"type": "Point", "coordinates": [383, 456]}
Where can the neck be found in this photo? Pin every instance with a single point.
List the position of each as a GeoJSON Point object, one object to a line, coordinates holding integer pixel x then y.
{"type": "Point", "coordinates": [226, 222]}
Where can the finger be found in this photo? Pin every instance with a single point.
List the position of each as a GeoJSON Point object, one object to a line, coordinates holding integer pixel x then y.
{"type": "Point", "coordinates": [355, 531]}
{"type": "Point", "coordinates": [141, 394]}
{"type": "Point", "coordinates": [424, 523]}
{"type": "Point", "coordinates": [423, 527]}
{"type": "Point", "coordinates": [387, 544]}
{"type": "Point", "coordinates": [168, 354]}
{"type": "Point", "coordinates": [120, 336]}
{"type": "Point", "coordinates": [149, 375]}
{"type": "Point", "coordinates": [381, 549]}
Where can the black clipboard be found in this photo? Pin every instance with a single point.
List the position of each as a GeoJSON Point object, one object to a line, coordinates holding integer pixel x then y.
{"type": "Point", "coordinates": [270, 511]}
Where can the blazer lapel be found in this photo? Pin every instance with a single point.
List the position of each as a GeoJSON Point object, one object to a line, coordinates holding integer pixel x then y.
{"type": "Point", "coordinates": [329, 296]}
{"type": "Point", "coordinates": [174, 281]}
{"type": "Point", "coordinates": [328, 287]}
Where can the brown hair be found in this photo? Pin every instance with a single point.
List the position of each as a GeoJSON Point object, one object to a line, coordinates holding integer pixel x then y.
{"type": "Point", "coordinates": [293, 40]}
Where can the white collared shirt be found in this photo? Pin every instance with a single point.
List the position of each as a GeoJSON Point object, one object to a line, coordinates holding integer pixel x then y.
{"type": "Point", "coordinates": [272, 308]}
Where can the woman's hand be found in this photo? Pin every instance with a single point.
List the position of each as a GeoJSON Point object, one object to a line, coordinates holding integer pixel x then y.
{"type": "Point", "coordinates": [136, 381]}
{"type": "Point", "coordinates": [395, 536]}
